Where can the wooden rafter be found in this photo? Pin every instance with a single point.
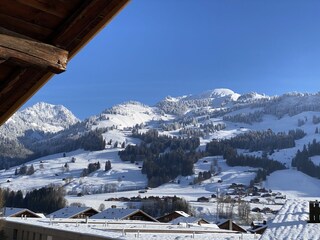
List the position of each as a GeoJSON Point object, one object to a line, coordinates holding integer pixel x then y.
{"type": "Point", "coordinates": [42, 30]}
{"type": "Point", "coordinates": [32, 53]}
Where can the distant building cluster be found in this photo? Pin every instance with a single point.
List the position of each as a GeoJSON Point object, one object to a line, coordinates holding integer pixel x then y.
{"type": "Point", "coordinates": [86, 223]}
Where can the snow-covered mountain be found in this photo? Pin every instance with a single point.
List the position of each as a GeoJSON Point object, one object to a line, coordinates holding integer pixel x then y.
{"type": "Point", "coordinates": [216, 98]}
{"type": "Point", "coordinates": [38, 121]}
{"type": "Point", "coordinates": [41, 117]}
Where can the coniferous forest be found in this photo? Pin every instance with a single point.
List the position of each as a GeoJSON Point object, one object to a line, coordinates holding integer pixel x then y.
{"type": "Point", "coordinates": [303, 162]}
{"type": "Point", "coordinates": [164, 158]}
{"type": "Point", "coordinates": [45, 200]}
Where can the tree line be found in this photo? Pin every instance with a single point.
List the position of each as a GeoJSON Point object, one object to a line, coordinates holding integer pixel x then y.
{"type": "Point", "coordinates": [265, 140]}
{"type": "Point", "coordinates": [247, 118]}
{"type": "Point", "coordinates": [303, 162]}
{"type": "Point", "coordinates": [45, 200]}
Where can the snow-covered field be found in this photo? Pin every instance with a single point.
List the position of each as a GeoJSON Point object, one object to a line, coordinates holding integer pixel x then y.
{"type": "Point", "coordinates": [294, 184]}
{"type": "Point", "coordinates": [51, 170]}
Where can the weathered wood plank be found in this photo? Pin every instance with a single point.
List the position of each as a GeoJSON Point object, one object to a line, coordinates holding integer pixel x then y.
{"type": "Point", "coordinates": [32, 53]}
{"type": "Point", "coordinates": [26, 28]}
{"type": "Point", "coordinates": [5, 71]}
{"type": "Point", "coordinates": [14, 34]}
{"type": "Point", "coordinates": [55, 7]}
{"type": "Point", "coordinates": [11, 99]}
{"type": "Point", "coordinates": [29, 14]}
{"type": "Point", "coordinates": [90, 18]}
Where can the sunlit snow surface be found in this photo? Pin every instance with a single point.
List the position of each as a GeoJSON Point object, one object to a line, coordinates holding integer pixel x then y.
{"type": "Point", "coordinates": [128, 230]}
{"type": "Point", "coordinates": [291, 223]}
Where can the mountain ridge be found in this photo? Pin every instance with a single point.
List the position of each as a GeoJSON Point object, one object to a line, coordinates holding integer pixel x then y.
{"type": "Point", "coordinates": [45, 124]}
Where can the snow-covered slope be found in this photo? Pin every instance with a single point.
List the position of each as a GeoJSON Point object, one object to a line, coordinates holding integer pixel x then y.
{"type": "Point", "coordinates": [216, 98]}
{"type": "Point", "coordinates": [42, 117]}
{"type": "Point", "coordinates": [126, 115]}
{"type": "Point", "coordinates": [216, 93]}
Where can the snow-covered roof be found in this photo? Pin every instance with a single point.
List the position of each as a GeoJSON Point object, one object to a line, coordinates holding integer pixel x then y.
{"type": "Point", "coordinates": [115, 213]}
{"type": "Point", "coordinates": [131, 229]}
{"type": "Point", "coordinates": [69, 212]}
{"type": "Point", "coordinates": [292, 222]}
{"type": "Point", "coordinates": [13, 212]}
{"type": "Point", "coordinates": [183, 214]}
{"type": "Point", "coordinates": [189, 219]}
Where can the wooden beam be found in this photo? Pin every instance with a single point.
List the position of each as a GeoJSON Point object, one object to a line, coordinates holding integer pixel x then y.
{"type": "Point", "coordinates": [15, 34]}
{"type": "Point", "coordinates": [52, 7]}
{"type": "Point", "coordinates": [41, 78]}
{"type": "Point", "coordinates": [86, 18]}
{"type": "Point", "coordinates": [29, 29]}
{"type": "Point", "coordinates": [33, 54]}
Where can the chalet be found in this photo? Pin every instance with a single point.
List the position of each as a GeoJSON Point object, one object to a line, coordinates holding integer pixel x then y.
{"type": "Point", "coordinates": [260, 230]}
{"type": "Point", "coordinates": [124, 214]}
{"type": "Point", "coordinates": [19, 212]}
{"type": "Point", "coordinates": [281, 196]}
{"type": "Point", "coordinates": [256, 209]}
{"type": "Point", "coordinates": [213, 195]}
{"type": "Point", "coordinates": [230, 225]}
{"type": "Point", "coordinates": [189, 220]}
{"type": "Point", "coordinates": [266, 210]}
{"type": "Point", "coordinates": [262, 190]}
{"type": "Point", "coordinates": [265, 195]}
{"type": "Point", "coordinates": [258, 227]}
{"type": "Point", "coordinates": [74, 212]}
{"type": "Point", "coordinates": [171, 216]}
{"type": "Point", "coordinates": [203, 199]}
{"type": "Point", "coordinates": [254, 200]}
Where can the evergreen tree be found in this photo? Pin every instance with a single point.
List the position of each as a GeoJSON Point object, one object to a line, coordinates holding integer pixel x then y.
{"type": "Point", "coordinates": [107, 166]}
{"type": "Point", "coordinates": [30, 170]}
{"type": "Point", "coordinates": [23, 170]}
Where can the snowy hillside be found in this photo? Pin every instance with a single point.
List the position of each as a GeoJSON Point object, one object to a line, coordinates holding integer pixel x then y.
{"type": "Point", "coordinates": [126, 115]}
{"type": "Point", "coordinates": [215, 114]}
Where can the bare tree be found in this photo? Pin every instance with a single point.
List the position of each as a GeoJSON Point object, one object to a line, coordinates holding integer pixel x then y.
{"type": "Point", "coordinates": [244, 211]}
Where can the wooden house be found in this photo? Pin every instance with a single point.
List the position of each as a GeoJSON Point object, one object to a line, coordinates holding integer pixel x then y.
{"type": "Point", "coordinates": [74, 212]}
{"type": "Point", "coordinates": [19, 212]}
{"type": "Point", "coordinates": [171, 216]}
{"type": "Point", "coordinates": [124, 214]}
{"type": "Point", "coordinates": [230, 225]}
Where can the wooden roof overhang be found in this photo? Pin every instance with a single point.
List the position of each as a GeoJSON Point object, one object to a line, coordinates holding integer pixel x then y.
{"type": "Point", "coordinates": [39, 37]}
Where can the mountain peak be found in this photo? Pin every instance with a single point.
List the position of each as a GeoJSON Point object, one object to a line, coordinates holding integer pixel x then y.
{"type": "Point", "coordinates": [221, 92]}
{"type": "Point", "coordinates": [216, 93]}
{"type": "Point", "coordinates": [42, 117]}
{"type": "Point", "coordinates": [55, 115]}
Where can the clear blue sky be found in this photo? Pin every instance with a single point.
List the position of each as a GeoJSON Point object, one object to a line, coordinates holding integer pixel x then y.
{"type": "Point", "coordinates": [155, 48]}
